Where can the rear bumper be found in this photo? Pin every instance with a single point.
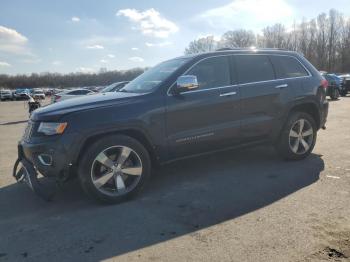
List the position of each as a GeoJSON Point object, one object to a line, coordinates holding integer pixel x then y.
{"type": "Point", "coordinates": [324, 114]}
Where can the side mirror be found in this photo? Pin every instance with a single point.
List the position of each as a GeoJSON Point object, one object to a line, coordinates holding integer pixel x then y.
{"type": "Point", "coordinates": [186, 83]}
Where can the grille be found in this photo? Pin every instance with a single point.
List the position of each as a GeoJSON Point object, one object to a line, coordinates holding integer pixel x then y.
{"type": "Point", "coordinates": [28, 131]}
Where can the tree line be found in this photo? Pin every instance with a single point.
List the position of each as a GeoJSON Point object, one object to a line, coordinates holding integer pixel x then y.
{"type": "Point", "coordinates": [68, 80]}
{"type": "Point", "coordinates": [324, 40]}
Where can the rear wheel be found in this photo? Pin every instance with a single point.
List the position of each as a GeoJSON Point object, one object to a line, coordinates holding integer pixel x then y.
{"type": "Point", "coordinates": [298, 136]}
{"type": "Point", "coordinates": [343, 93]}
{"type": "Point", "coordinates": [114, 169]}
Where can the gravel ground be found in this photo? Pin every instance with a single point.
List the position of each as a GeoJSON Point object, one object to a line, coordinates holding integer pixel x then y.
{"type": "Point", "coordinates": [243, 205]}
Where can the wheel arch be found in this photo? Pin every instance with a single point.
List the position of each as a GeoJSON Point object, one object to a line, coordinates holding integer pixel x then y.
{"type": "Point", "coordinates": [131, 132]}
{"type": "Point", "coordinates": [309, 108]}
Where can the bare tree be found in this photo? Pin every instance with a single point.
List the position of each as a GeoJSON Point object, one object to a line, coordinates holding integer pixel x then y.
{"type": "Point", "coordinates": [344, 47]}
{"type": "Point", "coordinates": [333, 37]}
{"type": "Point", "coordinates": [68, 80]}
{"type": "Point", "coordinates": [325, 40]}
{"type": "Point", "coordinates": [322, 41]}
{"type": "Point", "coordinates": [238, 38]}
{"type": "Point", "coordinates": [274, 36]}
{"type": "Point", "coordinates": [205, 44]}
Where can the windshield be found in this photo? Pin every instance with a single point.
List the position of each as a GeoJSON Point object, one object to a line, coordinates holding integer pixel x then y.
{"type": "Point", "coordinates": [150, 79]}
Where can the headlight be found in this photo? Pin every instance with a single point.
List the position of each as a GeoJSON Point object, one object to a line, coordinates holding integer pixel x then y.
{"type": "Point", "coordinates": [50, 129]}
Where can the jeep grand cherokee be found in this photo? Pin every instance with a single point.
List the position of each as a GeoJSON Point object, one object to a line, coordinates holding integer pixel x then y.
{"type": "Point", "coordinates": [180, 108]}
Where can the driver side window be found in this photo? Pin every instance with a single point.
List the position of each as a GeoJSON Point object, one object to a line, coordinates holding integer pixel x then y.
{"type": "Point", "coordinates": [212, 72]}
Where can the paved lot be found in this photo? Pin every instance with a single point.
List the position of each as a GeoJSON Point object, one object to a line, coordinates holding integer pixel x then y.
{"type": "Point", "coordinates": [246, 205]}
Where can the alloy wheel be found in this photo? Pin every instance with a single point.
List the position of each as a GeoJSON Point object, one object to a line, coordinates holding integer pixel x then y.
{"type": "Point", "coordinates": [301, 136]}
{"type": "Point", "coordinates": [116, 170]}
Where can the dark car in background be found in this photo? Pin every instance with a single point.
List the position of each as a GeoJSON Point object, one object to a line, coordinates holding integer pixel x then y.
{"type": "Point", "coordinates": [335, 83]}
{"type": "Point", "coordinates": [180, 108]}
{"type": "Point", "coordinates": [22, 94]}
{"type": "Point", "coordinates": [114, 87]}
{"type": "Point", "coordinates": [346, 84]}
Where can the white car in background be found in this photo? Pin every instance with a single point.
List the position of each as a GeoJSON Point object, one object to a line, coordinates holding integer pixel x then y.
{"type": "Point", "coordinates": [69, 94]}
{"type": "Point", "coordinates": [6, 95]}
{"type": "Point", "coordinates": [38, 94]}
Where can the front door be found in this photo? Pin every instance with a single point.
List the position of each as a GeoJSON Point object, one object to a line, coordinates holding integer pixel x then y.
{"type": "Point", "coordinates": [204, 119]}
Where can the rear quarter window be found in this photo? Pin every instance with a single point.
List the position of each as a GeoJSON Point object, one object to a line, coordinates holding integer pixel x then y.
{"type": "Point", "coordinates": [288, 67]}
{"type": "Point", "coordinates": [254, 68]}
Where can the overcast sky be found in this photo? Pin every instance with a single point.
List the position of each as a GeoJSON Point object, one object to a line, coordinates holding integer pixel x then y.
{"type": "Point", "coordinates": [85, 35]}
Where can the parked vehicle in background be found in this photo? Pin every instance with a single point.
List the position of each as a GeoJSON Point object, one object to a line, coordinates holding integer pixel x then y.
{"type": "Point", "coordinates": [114, 87]}
{"type": "Point", "coordinates": [93, 88]}
{"type": "Point", "coordinates": [334, 85]}
{"type": "Point", "coordinates": [346, 84]}
{"type": "Point", "coordinates": [47, 91]}
{"type": "Point", "coordinates": [71, 94]}
{"type": "Point", "coordinates": [22, 94]}
{"type": "Point", "coordinates": [6, 94]}
{"type": "Point", "coordinates": [33, 104]}
{"type": "Point", "coordinates": [180, 108]}
{"type": "Point", "coordinates": [38, 94]}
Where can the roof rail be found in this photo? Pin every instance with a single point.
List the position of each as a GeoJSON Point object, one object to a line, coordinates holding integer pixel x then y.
{"type": "Point", "coordinates": [225, 49]}
{"type": "Point", "coordinates": [250, 48]}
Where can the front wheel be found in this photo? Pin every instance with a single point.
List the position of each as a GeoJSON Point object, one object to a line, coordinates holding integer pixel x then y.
{"type": "Point", "coordinates": [298, 137]}
{"type": "Point", "coordinates": [114, 169]}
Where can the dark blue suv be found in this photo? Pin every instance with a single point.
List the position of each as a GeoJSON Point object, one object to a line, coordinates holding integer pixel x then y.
{"type": "Point", "coordinates": [180, 108]}
{"type": "Point", "coordinates": [334, 88]}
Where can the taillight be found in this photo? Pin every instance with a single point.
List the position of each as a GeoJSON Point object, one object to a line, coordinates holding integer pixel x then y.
{"type": "Point", "coordinates": [57, 97]}
{"type": "Point", "coordinates": [324, 83]}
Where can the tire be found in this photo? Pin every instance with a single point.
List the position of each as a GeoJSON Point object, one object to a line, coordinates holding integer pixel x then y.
{"type": "Point", "coordinates": [343, 93]}
{"type": "Point", "coordinates": [335, 94]}
{"type": "Point", "coordinates": [290, 137]}
{"type": "Point", "coordinates": [120, 186]}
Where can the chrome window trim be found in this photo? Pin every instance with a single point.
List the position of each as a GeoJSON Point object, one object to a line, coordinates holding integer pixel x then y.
{"type": "Point", "coordinates": [274, 80]}
{"type": "Point", "coordinates": [206, 89]}
{"type": "Point", "coordinates": [265, 81]}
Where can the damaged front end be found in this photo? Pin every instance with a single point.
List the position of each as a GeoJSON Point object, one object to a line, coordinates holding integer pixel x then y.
{"type": "Point", "coordinates": [24, 171]}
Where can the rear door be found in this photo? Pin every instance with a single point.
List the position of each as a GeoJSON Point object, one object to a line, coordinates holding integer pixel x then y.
{"type": "Point", "coordinates": [262, 96]}
{"type": "Point", "coordinates": [202, 120]}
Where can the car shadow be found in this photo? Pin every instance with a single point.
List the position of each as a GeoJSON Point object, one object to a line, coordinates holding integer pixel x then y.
{"type": "Point", "coordinates": [180, 199]}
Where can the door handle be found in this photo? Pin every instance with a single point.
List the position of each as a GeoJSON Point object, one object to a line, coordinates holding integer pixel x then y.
{"type": "Point", "coordinates": [281, 86]}
{"type": "Point", "coordinates": [229, 94]}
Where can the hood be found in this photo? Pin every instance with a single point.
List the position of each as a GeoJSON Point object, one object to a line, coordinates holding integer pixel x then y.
{"type": "Point", "coordinates": [55, 111]}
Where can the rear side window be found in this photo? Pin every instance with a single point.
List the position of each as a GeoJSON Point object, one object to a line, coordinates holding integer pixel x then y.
{"type": "Point", "coordinates": [288, 67]}
{"type": "Point", "coordinates": [212, 72]}
{"type": "Point", "coordinates": [254, 68]}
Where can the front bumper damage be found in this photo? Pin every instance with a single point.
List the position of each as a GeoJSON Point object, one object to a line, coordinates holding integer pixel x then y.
{"type": "Point", "coordinates": [24, 171]}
